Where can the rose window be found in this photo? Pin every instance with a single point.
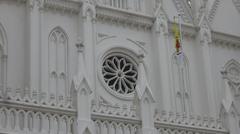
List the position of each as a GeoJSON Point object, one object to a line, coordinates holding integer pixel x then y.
{"type": "Point", "coordinates": [120, 74]}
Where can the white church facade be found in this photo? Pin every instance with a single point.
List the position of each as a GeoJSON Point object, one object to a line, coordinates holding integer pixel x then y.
{"type": "Point", "coordinates": [110, 67]}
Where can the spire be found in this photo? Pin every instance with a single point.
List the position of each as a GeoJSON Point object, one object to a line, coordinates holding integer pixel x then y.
{"type": "Point", "coordinates": [142, 86]}
{"type": "Point", "coordinates": [144, 100]}
{"type": "Point", "coordinates": [84, 91]}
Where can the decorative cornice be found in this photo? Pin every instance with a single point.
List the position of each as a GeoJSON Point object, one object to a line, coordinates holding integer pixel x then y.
{"type": "Point", "coordinates": [191, 123]}
{"type": "Point", "coordinates": [16, 1]}
{"type": "Point", "coordinates": [181, 129]}
{"type": "Point", "coordinates": [117, 124]}
{"type": "Point", "coordinates": [213, 10]}
{"type": "Point", "coordinates": [222, 39]}
{"type": "Point", "coordinates": [33, 98]}
{"type": "Point", "coordinates": [101, 107]}
{"type": "Point", "coordinates": [124, 18]}
{"type": "Point", "coordinates": [37, 107]}
{"type": "Point", "coordinates": [62, 6]}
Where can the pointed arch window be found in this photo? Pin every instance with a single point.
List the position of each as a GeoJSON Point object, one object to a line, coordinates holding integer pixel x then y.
{"type": "Point", "coordinates": [231, 78]}
{"type": "Point", "coordinates": [232, 71]}
{"type": "Point", "coordinates": [58, 48]}
{"type": "Point", "coordinates": [3, 60]}
{"type": "Point", "coordinates": [182, 89]}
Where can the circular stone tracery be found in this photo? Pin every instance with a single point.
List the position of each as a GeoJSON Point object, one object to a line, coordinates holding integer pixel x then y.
{"type": "Point", "coordinates": [120, 73]}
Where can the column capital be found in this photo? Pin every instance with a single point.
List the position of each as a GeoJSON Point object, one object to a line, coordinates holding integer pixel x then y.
{"type": "Point", "coordinates": [161, 22]}
{"type": "Point", "coordinates": [205, 36]}
{"type": "Point", "coordinates": [205, 31]}
{"type": "Point", "coordinates": [35, 3]}
{"type": "Point", "coordinates": [89, 10]}
{"type": "Point", "coordinates": [161, 25]}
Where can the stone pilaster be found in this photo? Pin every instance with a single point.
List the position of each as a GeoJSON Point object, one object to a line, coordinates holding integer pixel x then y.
{"type": "Point", "coordinates": [160, 32]}
{"type": "Point", "coordinates": [87, 34]}
{"type": "Point", "coordinates": [34, 44]}
{"type": "Point", "coordinates": [83, 91]}
{"type": "Point", "coordinates": [204, 36]}
{"type": "Point", "coordinates": [144, 100]}
{"type": "Point", "coordinates": [4, 68]}
{"type": "Point", "coordinates": [44, 48]}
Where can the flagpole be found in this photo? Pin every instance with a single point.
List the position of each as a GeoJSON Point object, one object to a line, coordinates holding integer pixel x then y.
{"type": "Point", "coordinates": [180, 31]}
{"type": "Point", "coordinates": [181, 58]}
{"type": "Point", "coordinates": [181, 55]}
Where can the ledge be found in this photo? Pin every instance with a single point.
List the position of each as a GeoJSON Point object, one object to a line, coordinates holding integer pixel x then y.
{"type": "Point", "coordinates": [189, 128]}
{"type": "Point", "coordinates": [124, 17]}
{"type": "Point", "coordinates": [40, 108]}
{"type": "Point", "coordinates": [225, 39]}
{"type": "Point", "coordinates": [71, 7]}
{"type": "Point", "coordinates": [115, 118]}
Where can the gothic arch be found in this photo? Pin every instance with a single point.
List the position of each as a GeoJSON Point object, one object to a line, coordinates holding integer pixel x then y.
{"type": "Point", "coordinates": [230, 107]}
{"type": "Point", "coordinates": [182, 88]}
{"type": "Point", "coordinates": [58, 64]}
{"type": "Point", "coordinates": [232, 73]}
{"type": "Point", "coordinates": [232, 67]}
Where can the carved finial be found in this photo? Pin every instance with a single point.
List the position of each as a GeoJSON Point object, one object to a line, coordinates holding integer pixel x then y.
{"type": "Point", "coordinates": [79, 45]}
{"type": "Point", "coordinates": [141, 56]}
{"type": "Point", "coordinates": [224, 74]}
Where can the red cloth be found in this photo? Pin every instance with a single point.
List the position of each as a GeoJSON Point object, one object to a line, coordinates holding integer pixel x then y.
{"type": "Point", "coordinates": [177, 45]}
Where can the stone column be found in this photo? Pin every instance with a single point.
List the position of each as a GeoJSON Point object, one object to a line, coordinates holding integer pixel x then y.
{"type": "Point", "coordinates": [160, 32]}
{"type": "Point", "coordinates": [87, 32]}
{"type": "Point", "coordinates": [83, 91]}
{"type": "Point", "coordinates": [44, 76]}
{"type": "Point", "coordinates": [144, 100]}
{"type": "Point", "coordinates": [205, 39]}
{"type": "Point", "coordinates": [34, 45]}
